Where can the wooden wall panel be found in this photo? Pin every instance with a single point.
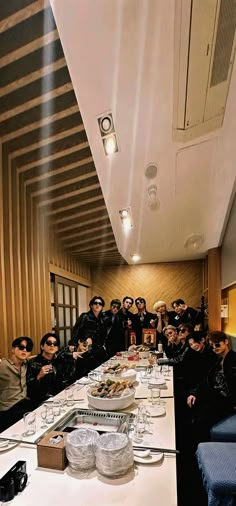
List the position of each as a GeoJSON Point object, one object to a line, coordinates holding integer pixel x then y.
{"type": "Point", "coordinates": [28, 249]}
{"type": "Point", "coordinates": [165, 281]}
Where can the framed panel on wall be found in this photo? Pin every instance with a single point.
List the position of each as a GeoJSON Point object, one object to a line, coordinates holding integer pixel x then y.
{"type": "Point", "coordinates": [64, 306]}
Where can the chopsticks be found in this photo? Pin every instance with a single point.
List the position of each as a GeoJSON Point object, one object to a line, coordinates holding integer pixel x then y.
{"type": "Point", "coordinates": [155, 450]}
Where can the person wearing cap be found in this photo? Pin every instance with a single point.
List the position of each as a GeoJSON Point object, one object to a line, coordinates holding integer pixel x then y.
{"type": "Point", "coordinates": [141, 319]}
{"type": "Point", "coordinates": [13, 388]}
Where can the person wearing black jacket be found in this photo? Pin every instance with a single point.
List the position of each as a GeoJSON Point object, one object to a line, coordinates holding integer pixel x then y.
{"type": "Point", "coordinates": [43, 376]}
{"type": "Point", "coordinates": [91, 324]}
{"type": "Point", "coordinates": [126, 319]}
{"type": "Point", "coordinates": [114, 340]}
{"type": "Point", "coordinates": [142, 319]}
{"type": "Point", "coordinates": [185, 314]}
{"type": "Point", "coordinates": [215, 398]}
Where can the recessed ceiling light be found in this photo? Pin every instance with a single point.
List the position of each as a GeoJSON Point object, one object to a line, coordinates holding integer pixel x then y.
{"type": "Point", "coordinates": [110, 144]}
{"type": "Point", "coordinates": [106, 124]}
{"type": "Point", "coordinates": [125, 216]}
{"type": "Point", "coordinates": [124, 212]}
{"type": "Point", "coordinates": [135, 257]}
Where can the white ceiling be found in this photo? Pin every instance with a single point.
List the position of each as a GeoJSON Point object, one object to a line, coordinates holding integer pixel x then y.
{"type": "Point", "coordinates": [120, 54]}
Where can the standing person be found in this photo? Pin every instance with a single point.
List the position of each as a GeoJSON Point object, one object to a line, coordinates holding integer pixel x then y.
{"type": "Point", "coordinates": [13, 390]}
{"type": "Point", "coordinates": [91, 324]}
{"type": "Point", "coordinates": [114, 332]}
{"type": "Point", "coordinates": [126, 318]}
{"type": "Point", "coordinates": [142, 319]}
{"type": "Point", "coordinates": [43, 376]}
{"type": "Point", "coordinates": [185, 314]}
{"type": "Point", "coordinates": [216, 396]}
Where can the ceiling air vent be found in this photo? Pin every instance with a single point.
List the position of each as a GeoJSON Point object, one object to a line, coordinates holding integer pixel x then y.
{"type": "Point", "coordinates": [205, 45]}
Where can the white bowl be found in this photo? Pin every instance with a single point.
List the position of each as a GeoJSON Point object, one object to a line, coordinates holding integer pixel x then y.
{"type": "Point", "coordinates": [144, 354]}
{"type": "Point", "coordinates": [113, 403]}
{"type": "Point", "coordinates": [129, 374]}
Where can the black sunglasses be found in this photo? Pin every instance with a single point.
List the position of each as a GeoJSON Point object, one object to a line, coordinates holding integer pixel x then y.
{"type": "Point", "coordinates": [115, 306]}
{"type": "Point", "coordinates": [98, 302]}
{"type": "Point", "coordinates": [22, 347]}
{"type": "Point", "coordinates": [139, 302]}
{"type": "Point", "coordinates": [51, 343]}
{"type": "Point", "coordinates": [215, 345]}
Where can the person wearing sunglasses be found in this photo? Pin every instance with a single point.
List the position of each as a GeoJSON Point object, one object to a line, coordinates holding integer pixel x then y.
{"type": "Point", "coordinates": [141, 319]}
{"type": "Point", "coordinates": [44, 377]}
{"type": "Point", "coordinates": [215, 398]}
{"type": "Point", "coordinates": [114, 341]}
{"type": "Point", "coordinates": [13, 390]}
{"type": "Point", "coordinates": [91, 324]}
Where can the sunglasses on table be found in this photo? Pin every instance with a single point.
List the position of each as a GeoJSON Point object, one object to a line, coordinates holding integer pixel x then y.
{"type": "Point", "coordinates": [22, 347]}
{"type": "Point", "coordinates": [98, 303]}
{"type": "Point", "coordinates": [51, 343]}
{"type": "Point", "coordinates": [215, 345]}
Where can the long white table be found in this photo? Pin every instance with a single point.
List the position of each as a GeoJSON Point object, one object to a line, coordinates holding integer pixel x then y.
{"type": "Point", "coordinates": [150, 484]}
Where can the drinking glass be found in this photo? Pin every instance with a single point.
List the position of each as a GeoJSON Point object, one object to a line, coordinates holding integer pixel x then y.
{"type": "Point", "coordinates": [63, 401]}
{"type": "Point", "coordinates": [43, 414]}
{"type": "Point", "coordinates": [29, 423]}
{"type": "Point", "coordinates": [155, 396]}
{"type": "Point", "coordinates": [143, 376]}
{"type": "Point", "coordinates": [69, 397]}
{"type": "Point", "coordinates": [56, 406]}
{"type": "Point", "coordinates": [50, 415]}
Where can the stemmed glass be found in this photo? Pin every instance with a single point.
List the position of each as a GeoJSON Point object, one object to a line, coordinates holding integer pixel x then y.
{"type": "Point", "coordinates": [43, 415]}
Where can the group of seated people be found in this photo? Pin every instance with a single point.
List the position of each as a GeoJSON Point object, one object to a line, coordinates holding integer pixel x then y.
{"type": "Point", "coordinates": [204, 372]}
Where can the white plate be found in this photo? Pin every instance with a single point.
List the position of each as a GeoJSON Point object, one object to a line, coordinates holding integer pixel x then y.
{"type": "Point", "coordinates": [9, 446]}
{"type": "Point", "coordinates": [152, 459]}
{"type": "Point", "coordinates": [156, 410]}
{"type": "Point", "coordinates": [157, 381]}
{"type": "Point", "coordinates": [83, 381]}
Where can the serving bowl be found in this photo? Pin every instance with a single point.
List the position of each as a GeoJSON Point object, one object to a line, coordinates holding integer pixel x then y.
{"type": "Point", "coordinates": [111, 403]}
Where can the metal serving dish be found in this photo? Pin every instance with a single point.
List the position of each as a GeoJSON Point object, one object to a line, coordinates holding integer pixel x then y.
{"type": "Point", "coordinates": [102, 421]}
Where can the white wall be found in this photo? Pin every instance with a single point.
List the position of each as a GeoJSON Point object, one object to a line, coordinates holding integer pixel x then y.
{"type": "Point", "coordinates": [228, 253]}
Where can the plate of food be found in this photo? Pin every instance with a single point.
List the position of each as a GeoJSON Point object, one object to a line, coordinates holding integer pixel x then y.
{"type": "Point", "coordinates": [111, 395]}
{"type": "Point", "coordinates": [118, 370]}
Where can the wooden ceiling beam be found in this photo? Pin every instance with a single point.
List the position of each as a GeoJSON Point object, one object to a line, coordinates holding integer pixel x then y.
{"type": "Point", "coordinates": [31, 77]}
{"type": "Point", "coordinates": [22, 15]}
{"type": "Point", "coordinates": [29, 48]}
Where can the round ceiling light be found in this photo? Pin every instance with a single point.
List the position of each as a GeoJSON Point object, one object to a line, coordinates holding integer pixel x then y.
{"type": "Point", "coordinates": [110, 145]}
{"type": "Point", "coordinates": [106, 124]}
{"type": "Point", "coordinates": [135, 257]}
{"type": "Point", "coordinates": [151, 171]}
{"type": "Point", "coordinates": [194, 242]}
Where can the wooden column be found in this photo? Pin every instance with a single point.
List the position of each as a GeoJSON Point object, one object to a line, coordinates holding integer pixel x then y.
{"type": "Point", "coordinates": [214, 289]}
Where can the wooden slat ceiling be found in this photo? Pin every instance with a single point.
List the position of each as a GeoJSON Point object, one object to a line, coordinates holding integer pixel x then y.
{"type": "Point", "coordinates": [42, 133]}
